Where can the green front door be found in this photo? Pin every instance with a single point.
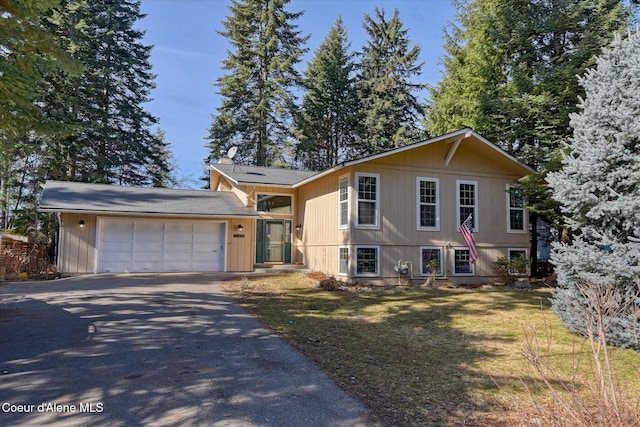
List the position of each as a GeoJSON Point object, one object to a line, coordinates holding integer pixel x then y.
{"type": "Point", "coordinates": [273, 241]}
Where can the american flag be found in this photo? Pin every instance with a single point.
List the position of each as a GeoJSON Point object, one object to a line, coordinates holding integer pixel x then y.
{"type": "Point", "coordinates": [465, 228]}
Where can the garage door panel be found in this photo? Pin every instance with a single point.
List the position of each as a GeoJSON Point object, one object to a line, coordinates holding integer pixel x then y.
{"type": "Point", "coordinates": [118, 236]}
{"type": "Point", "coordinates": [175, 247]}
{"type": "Point", "coordinates": [147, 256]}
{"type": "Point", "coordinates": [118, 255]}
{"type": "Point", "coordinates": [116, 267]}
{"type": "Point", "coordinates": [205, 256]}
{"type": "Point", "coordinates": [117, 246]}
{"type": "Point", "coordinates": [179, 227]}
{"type": "Point", "coordinates": [148, 245]}
{"type": "Point", "coordinates": [177, 266]}
{"type": "Point", "coordinates": [178, 256]}
{"type": "Point", "coordinates": [207, 247]}
{"type": "Point", "coordinates": [207, 266]}
{"type": "Point", "coordinates": [146, 266]}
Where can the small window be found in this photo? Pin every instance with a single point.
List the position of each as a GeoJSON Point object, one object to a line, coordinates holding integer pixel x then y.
{"type": "Point", "coordinates": [343, 208]}
{"type": "Point", "coordinates": [343, 255]}
{"type": "Point", "coordinates": [521, 267]}
{"type": "Point", "coordinates": [462, 265]}
{"type": "Point", "coordinates": [467, 202]}
{"type": "Point", "coordinates": [274, 203]}
{"type": "Point", "coordinates": [368, 200]}
{"type": "Point", "coordinates": [515, 211]}
{"type": "Point", "coordinates": [430, 261]}
{"type": "Point", "coordinates": [428, 209]}
{"type": "Point", "coordinates": [367, 260]}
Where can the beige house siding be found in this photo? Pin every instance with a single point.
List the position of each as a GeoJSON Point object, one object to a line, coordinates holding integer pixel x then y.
{"type": "Point", "coordinates": [398, 236]}
{"type": "Point", "coordinates": [241, 244]}
{"type": "Point", "coordinates": [77, 253]}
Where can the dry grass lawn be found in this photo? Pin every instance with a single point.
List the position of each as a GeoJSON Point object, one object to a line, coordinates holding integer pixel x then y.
{"type": "Point", "coordinates": [433, 356]}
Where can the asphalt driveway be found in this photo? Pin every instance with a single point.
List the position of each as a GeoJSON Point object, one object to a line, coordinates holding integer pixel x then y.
{"type": "Point", "coordinates": [169, 349]}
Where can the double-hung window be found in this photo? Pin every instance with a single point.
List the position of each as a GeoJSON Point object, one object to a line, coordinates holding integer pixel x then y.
{"type": "Point", "coordinates": [367, 260]}
{"type": "Point", "coordinates": [515, 211]}
{"type": "Point", "coordinates": [368, 202]}
{"type": "Point", "coordinates": [462, 265]}
{"type": "Point", "coordinates": [467, 202]}
{"type": "Point", "coordinates": [343, 260]}
{"type": "Point", "coordinates": [428, 203]}
{"type": "Point", "coordinates": [430, 261]}
{"type": "Point", "coordinates": [343, 203]}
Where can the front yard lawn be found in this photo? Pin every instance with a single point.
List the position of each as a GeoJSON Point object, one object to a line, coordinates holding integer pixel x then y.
{"type": "Point", "coordinates": [431, 356]}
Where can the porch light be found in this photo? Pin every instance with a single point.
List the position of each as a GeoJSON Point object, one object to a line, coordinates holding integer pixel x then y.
{"type": "Point", "coordinates": [298, 227]}
{"type": "Point", "coordinates": [81, 223]}
{"type": "Point", "coordinates": [240, 227]}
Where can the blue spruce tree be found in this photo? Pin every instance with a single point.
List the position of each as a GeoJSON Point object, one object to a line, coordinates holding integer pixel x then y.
{"type": "Point", "coordinates": [599, 187]}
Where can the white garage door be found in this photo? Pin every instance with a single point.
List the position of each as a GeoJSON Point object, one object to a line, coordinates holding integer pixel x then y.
{"type": "Point", "coordinates": [148, 245]}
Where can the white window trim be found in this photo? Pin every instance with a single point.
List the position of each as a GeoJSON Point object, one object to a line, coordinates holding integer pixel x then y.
{"type": "Point", "coordinates": [348, 260]}
{"type": "Point", "coordinates": [348, 202]}
{"type": "Point", "coordinates": [355, 259]}
{"type": "Point", "coordinates": [418, 181]}
{"type": "Point", "coordinates": [453, 262]}
{"type": "Point", "coordinates": [441, 266]}
{"type": "Point", "coordinates": [268, 193]}
{"type": "Point", "coordinates": [476, 219]}
{"type": "Point", "coordinates": [357, 205]}
{"type": "Point", "coordinates": [526, 255]}
{"type": "Point", "coordinates": [524, 215]}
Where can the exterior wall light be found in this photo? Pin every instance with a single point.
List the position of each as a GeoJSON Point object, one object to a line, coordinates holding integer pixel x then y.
{"type": "Point", "coordinates": [81, 224]}
{"type": "Point", "coordinates": [298, 227]}
{"type": "Point", "coordinates": [240, 227]}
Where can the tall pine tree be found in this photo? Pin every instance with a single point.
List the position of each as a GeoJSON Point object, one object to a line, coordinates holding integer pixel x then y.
{"type": "Point", "coordinates": [392, 114]}
{"type": "Point", "coordinates": [29, 55]}
{"type": "Point", "coordinates": [510, 70]}
{"type": "Point", "coordinates": [112, 141]}
{"type": "Point", "coordinates": [599, 188]}
{"type": "Point", "coordinates": [328, 121]}
{"type": "Point", "coordinates": [161, 166]}
{"type": "Point", "coordinates": [258, 103]}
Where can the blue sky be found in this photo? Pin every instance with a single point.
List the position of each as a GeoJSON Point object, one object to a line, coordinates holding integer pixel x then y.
{"type": "Point", "coordinates": [188, 53]}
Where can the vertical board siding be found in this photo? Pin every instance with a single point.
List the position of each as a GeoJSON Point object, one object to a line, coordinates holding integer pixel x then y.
{"type": "Point", "coordinates": [77, 255]}
{"type": "Point", "coordinates": [398, 236]}
{"type": "Point", "coordinates": [241, 250]}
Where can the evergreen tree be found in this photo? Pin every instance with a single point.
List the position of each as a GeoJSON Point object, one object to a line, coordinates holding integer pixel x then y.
{"type": "Point", "coordinates": [511, 67]}
{"type": "Point", "coordinates": [328, 121]}
{"type": "Point", "coordinates": [258, 104]}
{"type": "Point", "coordinates": [392, 113]}
{"type": "Point", "coordinates": [29, 54]}
{"type": "Point", "coordinates": [162, 164]}
{"type": "Point", "coordinates": [112, 140]}
{"type": "Point", "coordinates": [510, 74]}
{"type": "Point", "coordinates": [599, 188]}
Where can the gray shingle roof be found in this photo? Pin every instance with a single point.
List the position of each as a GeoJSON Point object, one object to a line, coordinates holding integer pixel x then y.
{"type": "Point", "coordinates": [261, 175]}
{"type": "Point", "coordinates": [61, 196]}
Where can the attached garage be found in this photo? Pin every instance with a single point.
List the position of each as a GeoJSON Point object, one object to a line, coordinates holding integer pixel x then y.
{"type": "Point", "coordinates": [148, 245]}
{"type": "Point", "coordinates": [107, 228]}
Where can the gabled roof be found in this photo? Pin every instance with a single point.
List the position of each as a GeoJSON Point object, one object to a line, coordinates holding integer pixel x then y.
{"type": "Point", "coordinates": [454, 138]}
{"type": "Point", "coordinates": [258, 175]}
{"type": "Point", "coordinates": [62, 196]}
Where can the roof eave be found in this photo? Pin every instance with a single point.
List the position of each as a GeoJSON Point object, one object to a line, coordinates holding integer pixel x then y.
{"type": "Point", "coordinates": [158, 214]}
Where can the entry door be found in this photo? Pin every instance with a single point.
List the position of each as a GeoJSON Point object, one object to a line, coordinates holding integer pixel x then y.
{"type": "Point", "coordinates": [273, 241]}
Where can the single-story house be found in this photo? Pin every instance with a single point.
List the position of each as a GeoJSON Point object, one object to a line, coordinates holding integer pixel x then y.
{"type": "Point", "coordinates": [364, 219]}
